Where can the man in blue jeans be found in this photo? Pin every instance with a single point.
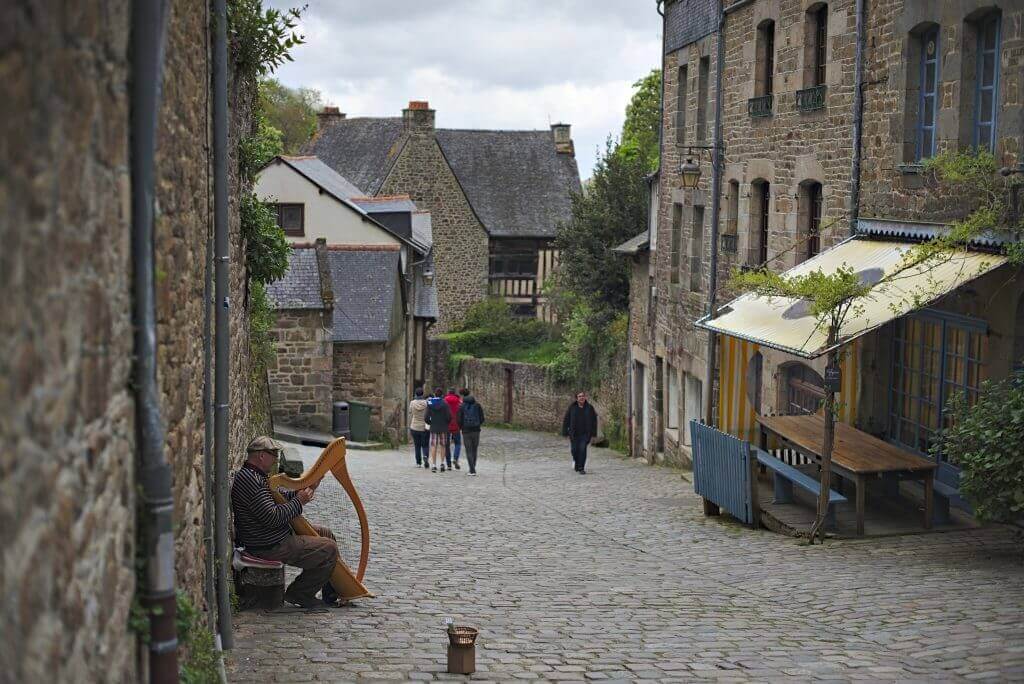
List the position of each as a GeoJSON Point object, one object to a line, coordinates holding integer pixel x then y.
{"type": "Point", "coordinates": [580, 426]}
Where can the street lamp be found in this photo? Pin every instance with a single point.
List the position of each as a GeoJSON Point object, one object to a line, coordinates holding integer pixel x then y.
{"type": "Point", "coordinates": [689, 171]}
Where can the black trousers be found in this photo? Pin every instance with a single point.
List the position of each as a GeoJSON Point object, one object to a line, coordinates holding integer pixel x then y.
{"type": "Point", "coordinates": [471, 440]}
{"type": "Point", "coordinates": [578, 445]}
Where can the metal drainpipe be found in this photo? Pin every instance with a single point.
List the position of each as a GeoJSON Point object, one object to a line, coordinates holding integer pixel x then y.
{"type": "Point", "coordinates": [716, 205]}
{"type": "Point", "coordinates": [210, 567]}
{"type": "Point", "coordinates": [858, 117]}
{"type": "Point", "coordinates": [154, 475]}
{"type": "Point", "coordinates": [222, 302]}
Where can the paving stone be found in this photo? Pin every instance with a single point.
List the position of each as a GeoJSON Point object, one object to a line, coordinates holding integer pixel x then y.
{"type": "Point", "coordinates": [617, 575]}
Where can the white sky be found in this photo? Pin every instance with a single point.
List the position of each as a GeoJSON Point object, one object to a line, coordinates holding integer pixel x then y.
{"type": "Point", "coordinates": [518, 64]}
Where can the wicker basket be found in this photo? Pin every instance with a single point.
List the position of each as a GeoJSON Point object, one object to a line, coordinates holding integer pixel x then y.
{"type": "Point", "coordinates": [462, 636]}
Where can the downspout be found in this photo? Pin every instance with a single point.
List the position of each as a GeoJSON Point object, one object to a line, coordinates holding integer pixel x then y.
{"type": "Point", "coordinates": [652, 259]}
{"type": "Point", "coordinates": [210, 567]}
{"type": "Point", "coordinates": [154, 474]}
{"type": "Point", "coordinates": [716, 206]}
{"type": "Point", "coordinates": [858, 117]}
{"type": "Point", "coordinates": [222, 302]}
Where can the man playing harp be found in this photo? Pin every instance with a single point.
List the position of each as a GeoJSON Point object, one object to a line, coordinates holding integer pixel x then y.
{"type": "Point", "coordinates": [263, 526]}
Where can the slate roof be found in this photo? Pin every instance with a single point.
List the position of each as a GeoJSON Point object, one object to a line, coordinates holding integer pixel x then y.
{"type": "Point", "coordinates": [324, 176]}
{"type": "Point", "coordinates": [516, 182]}
{"type": "Point", "coordinates": [300, 286]}
{"type": "Point", "coordinates": [422, 230]}
{"type": "Point", "coordinates": [390, 203]}
{"type": "Point", "coordinates": [364, 285]}
{"type": "Point", "coordinates": [634, 245]}
{"type": "Point", "coordinates": [360, 149]}
{"type": "Point", "coordinates": [425, 305]}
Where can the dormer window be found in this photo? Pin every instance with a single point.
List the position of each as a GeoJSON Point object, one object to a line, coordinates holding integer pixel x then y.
{"type": "Point", "coordinates": [291, 219]}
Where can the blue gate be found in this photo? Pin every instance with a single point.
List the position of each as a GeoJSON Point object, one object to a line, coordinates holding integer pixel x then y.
{"type": "Point", "coordinates": [721, 470]}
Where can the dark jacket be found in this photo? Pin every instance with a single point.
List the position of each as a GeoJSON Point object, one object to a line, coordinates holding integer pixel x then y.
{"type": "Point", "coordinates": [580, 422]}
{"type": "Point", "coordinates": [469, 404]}
{"type": "Point", "coordinates": [438, 415]}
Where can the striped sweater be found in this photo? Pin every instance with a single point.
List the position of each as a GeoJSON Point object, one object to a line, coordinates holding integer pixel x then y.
{"type": "Point", "coordinates": [259, 520]}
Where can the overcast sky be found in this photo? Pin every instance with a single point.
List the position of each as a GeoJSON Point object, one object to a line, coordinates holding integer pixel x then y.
{"type": "Point", "coordinates": [518, 64]}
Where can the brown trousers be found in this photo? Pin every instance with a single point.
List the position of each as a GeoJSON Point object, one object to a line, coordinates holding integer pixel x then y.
{"type": "Point", "coordinates": [315, 555]}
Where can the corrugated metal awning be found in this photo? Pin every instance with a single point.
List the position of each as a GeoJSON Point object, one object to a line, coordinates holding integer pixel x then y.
{"type": "Point", "coordinates": [786, 324]}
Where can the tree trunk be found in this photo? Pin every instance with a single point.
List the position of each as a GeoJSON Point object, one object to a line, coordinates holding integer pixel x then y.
{"type": "Point", "coordinates": [826, 447]}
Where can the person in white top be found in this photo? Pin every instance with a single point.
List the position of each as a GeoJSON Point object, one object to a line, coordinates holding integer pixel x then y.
{"type": "Point", "coordinates": [418, 428]}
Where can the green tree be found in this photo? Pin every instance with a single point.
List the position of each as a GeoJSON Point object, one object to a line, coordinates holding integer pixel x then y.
{"type": "Point", "coordinates": [292, 111]}
{"type": "Point", "coordinates": [640, 131]}
{"type": "Point", "coordinates": [612, 210]}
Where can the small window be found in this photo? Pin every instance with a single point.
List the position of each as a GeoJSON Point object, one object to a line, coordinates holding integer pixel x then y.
{"type": "Point", "coordinates": [732, 208]}
{"type": "Point", "coordinates": [291, 219]}
{"type": "Point", "coordinates": [810, 217]}
{"type": "Point", "coordinates": [760, 216]}
{"type": "Point", "coordinates": [929, 84]}
{"type": "Point", "coordinates": [986, 83]}
{"type": "Point", "coordinates": [677, 241]}
{"type": "Point", "coordinates": [804, 390]}
{"type": "Point", "coordinates": [696, 249]}
{"type": "Point", "coordinates": [673, 398]}
{"type": "Point", "coordinates": [703, 76]}
{"type": "Point", "coordinates": [820, 22]}
{"type": "Point", "coordinates": [765, 55]}
{"type": "Point", "coordinates": [681, 94]}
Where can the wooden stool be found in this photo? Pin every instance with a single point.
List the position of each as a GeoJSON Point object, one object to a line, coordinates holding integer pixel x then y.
{"type": "Point", "coordinates": [258, 582]}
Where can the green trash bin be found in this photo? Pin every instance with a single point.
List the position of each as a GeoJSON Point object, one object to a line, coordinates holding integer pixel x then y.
{"type": "Point", "coordinates": [359, 421]}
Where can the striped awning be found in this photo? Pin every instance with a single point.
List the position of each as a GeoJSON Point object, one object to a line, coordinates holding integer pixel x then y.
{"type": "Point", "coordinates": [786, 324]}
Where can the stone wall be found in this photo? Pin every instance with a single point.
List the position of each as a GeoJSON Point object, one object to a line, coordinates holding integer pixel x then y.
{"type": "Point", "coordinates": [359, 376]}
{"type": "Point", "coordinates": [461, 259]}
{"type": "Point", "coordinates": [538, 401]}
{"type": "Point", "coordinates": [301, 375]}
{"type": "Point", "coordinates": [68, 486]}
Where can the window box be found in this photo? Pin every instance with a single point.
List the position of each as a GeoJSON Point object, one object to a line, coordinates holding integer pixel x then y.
{"type": "Point", "coordinates": [811, 99]}
{"type": "Point", "coordinates": [729, 243]}
{"type": "Point", "coordinates": [760, 107]}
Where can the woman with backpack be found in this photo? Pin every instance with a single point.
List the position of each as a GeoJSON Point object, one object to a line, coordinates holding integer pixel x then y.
{"type": "Point", "coordinates": [470, 418]}
{"type": "Point", "coordinates": [437, 419]}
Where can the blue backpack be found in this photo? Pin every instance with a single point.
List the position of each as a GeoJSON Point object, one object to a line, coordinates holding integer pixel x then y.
{"type": "Point", "coordinates": [471, 415]}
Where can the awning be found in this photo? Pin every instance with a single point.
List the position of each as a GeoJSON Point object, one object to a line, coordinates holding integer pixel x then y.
{"type": "Point", "coordinates": [784, 323]}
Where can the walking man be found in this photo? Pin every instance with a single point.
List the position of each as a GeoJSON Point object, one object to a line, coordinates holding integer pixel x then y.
{"type": "Point", "coordinates": [470, 418]}
{"type": "Point", "coordinates": [454, 436]}
{"type": "Point", "coordinates": [418, 428]}
{"type": "Point", "coordinates": [580, 426]}
{"type": "Point", "coordinates": [263, 527]}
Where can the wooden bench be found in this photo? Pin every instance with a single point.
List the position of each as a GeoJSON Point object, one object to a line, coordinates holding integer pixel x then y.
{"type": "Point", "coordinates": [785, 476]}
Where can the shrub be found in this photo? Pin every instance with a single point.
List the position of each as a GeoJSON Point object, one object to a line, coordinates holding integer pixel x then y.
{"type": "Point", "coordinates": [985, 440]}
{"type": "Point", "coordinates": [266, 249]}
{"type": "Point", "coordinates": [490, 329]}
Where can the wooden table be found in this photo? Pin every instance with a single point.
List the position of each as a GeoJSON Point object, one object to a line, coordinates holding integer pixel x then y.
{"type": "Point", "coordinates": [856, 456]}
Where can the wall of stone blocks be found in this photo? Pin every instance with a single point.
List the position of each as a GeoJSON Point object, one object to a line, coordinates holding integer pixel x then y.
{"type": "Point", "coordinates": [66, 342]}
{"type": "Point", "coordinates": [301, 375]}
{"type": "Point", "coordinates": [461, 257]}
{"type": "Point", "coordinates": [359, 376]}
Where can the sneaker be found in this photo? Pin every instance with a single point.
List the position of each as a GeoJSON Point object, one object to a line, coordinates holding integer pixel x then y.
{"type": "Point", "coordinates": [472, 472]}
{"type": "Point", "coordinates": [442, 468]}
{"type": "Point", "coordinates": [457, 466]}
{"type": "Point", "coordinates": [583, 471]}
{"type": "Point", "coordinates": [426, 465]}
{"type": "Point", "coordinates": [307, 602]}
{"type": "Point", "coordinates": [434, 469]}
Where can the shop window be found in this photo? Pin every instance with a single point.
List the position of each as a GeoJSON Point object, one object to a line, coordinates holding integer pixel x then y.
{"type": "Point", "coordinates": [934, 358]}
{"type": "Point", "coordinates": [803, 389]}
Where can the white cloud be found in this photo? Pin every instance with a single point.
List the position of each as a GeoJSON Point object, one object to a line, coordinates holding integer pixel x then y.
{"type": "Point", "coordinates": [481, 63]}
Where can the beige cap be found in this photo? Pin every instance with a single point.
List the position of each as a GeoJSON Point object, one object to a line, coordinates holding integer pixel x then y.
{"type": "Point", "coordinates": [263, 443]}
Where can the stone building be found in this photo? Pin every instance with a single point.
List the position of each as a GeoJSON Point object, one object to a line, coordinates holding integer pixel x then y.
{"type": "Point", "coordinates": [357, 300]}
{"type": "Point", "coordinates": [495, 197]}
{"type": "Point", "coordinates": [936, 76]}
{"type": "Point", "coordinates": [69, 467]}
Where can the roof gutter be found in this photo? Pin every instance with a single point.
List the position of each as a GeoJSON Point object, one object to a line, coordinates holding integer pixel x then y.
{"type": "Point", "coordinates": [148, 34]}
{"type": "Point", "coordinates": [858, 117]}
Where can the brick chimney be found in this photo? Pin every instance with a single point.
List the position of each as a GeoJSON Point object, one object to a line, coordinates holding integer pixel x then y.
{"type": "Point", "coordinates": [563, 138]}
{"type": "Point", "coordinates": [327, 117]}
{"type": "Point", "coordinates": [418, 116]}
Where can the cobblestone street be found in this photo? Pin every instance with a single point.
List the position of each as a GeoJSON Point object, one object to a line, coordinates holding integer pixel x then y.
{"type": "Point", "coordinates": [617, 575]}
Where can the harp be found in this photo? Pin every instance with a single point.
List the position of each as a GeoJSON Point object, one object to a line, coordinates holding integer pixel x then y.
{"type": "Point", "coordinates": [332, 460]}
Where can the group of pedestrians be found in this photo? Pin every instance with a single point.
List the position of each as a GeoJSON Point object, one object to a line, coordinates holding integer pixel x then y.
{"type": "Point", "coordinates": [441, 425]}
